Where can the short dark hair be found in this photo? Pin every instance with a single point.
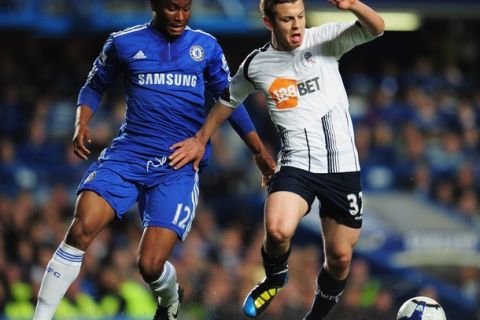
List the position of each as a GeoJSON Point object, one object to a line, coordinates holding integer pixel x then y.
{"type": "Point", "coordinates": [267, 7]}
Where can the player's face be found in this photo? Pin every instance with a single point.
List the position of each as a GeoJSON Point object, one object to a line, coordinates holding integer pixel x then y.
{"type": "Point", "coordinates": [172, 16]}
{"type": "Point", "coordinates": [289, 26]}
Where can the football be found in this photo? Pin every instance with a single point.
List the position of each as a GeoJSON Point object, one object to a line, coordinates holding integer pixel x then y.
{"type": "Point", "coordinates": [421, 308]}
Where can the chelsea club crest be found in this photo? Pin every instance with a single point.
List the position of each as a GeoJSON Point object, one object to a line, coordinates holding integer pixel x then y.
{"type": "Point", "coordinates": [197, 53]}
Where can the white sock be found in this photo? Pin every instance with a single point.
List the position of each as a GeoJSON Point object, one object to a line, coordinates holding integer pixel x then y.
{"type": "Point", "coordinates": [60, 272]}
{"type": "Point", "coordinates": [165, 288]}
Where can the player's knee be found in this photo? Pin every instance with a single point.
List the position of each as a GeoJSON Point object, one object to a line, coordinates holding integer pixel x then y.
{"type": "Point", "coordinates": [278, 235]}
{"type": "Point", "coordinates": [79, 235]}
{"type": "Point", "coordinates": [150, 267]}
{"type": "Point", "coordinates": [338, 260]}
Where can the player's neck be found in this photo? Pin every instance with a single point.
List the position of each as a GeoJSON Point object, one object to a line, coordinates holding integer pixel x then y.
{"type": "Point", "coordinates": [157, 26]}
{"type": "Point", "coordinates": [275, 45]}
{"type": "Point", "coordinates": [278, 46]}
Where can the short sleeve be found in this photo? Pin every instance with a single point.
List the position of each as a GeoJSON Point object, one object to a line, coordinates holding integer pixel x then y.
{"type": "Point", "coordinates": [338, 38]}
{"type": "Point", "coordinates": [241, 86]}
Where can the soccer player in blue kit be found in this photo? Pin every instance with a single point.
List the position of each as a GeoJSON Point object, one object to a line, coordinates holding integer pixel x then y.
{"type": "Point", "coordinates": [166, 67]}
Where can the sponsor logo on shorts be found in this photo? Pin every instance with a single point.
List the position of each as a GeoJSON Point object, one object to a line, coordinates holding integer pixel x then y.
{"type": "Point", "coordinates": [156, 162]}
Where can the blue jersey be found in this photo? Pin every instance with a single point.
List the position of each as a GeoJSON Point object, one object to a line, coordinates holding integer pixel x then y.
{"type": "Point", "coordinates": [165, 82]}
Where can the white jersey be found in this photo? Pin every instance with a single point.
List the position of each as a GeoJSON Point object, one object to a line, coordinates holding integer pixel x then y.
{"type": "Point", "coordinates": [306, 98]}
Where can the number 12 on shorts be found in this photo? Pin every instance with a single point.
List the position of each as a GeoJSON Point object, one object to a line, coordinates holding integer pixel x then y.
{"type": "Point", "coordinates": [183, 222]}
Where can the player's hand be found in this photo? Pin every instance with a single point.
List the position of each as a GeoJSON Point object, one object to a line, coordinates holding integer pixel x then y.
{"type": "Point", "coordinates": [188, 150]}
{"type": "Point", "coordinates": [267, 166]}
{"type": "Point", "coordinates": [343, 4]}
{"type": "Point", "coordinates": [80, 137]}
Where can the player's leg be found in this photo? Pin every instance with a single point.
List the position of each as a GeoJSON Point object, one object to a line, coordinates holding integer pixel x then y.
{"type": "Point", "coordinates": [341, 217]}
{"type": "Point", "coordinates": [167, 211]}
{"type": "Point", "coordinates": [92, 213]}
{"type": "Point", "coordinates": [155, 247]}
{"type": "Point", "coordinates": [103, 194]}
{"type": "Point", "coordinates": [339, 241]}
{"type": "Point", "coordinates": [284, 208]}
{"type": "Point", "coordinates": [283, 211]}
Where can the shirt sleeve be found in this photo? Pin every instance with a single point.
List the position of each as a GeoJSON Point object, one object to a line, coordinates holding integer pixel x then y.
{"type": "Point", "coordinates": [241, 86]}
{"type": "Point", "coordinates": [217, 73]}
{"type": "Point", "coordinates": [340, 37]}
{"type": "Point", "coordinates": [103, 73]}
{"type": "Point", "coordinates": [217, 82]}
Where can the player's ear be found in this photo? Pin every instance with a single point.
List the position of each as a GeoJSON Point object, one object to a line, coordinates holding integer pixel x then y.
{"type": "Point", "coordinates": [268, 23]}
{"type": "Point", "coordinates": [154, 4]}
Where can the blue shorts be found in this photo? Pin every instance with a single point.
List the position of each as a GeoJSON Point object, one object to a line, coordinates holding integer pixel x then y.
{"type": "Point", "coordinates": [166, 198]}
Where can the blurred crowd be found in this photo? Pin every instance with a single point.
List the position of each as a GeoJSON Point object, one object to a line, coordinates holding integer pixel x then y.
{"type": "Point", "coordinates": [417, 129]}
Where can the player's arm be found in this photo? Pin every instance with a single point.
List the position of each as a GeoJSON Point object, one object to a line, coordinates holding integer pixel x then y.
{"type": "Point", "coordinates": [369, 19]}
{"type": "Point", "coordinates": [82, 132]}
{"type": "Point", "coordinates": [262, 156]}
{"type": "Point", "coordinates": [104, 72]}
{"type": "Point", "coordinates": [241, 122]}
{"type": "Point", "coordinates": [218, 80]}
{"type": "Point", "coordinates": [217, 77]}
{"type": "Point", "coordinates": [192, 149]}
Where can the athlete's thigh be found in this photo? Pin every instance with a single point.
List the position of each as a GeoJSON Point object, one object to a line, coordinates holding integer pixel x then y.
{"type": "Point", "coordinates": [338, 238]}
{"type": "Point", "coordinates": [283, 211]}
{"type": "Point", "coordinates": [102, 195]}
{"type": "Point", "coordinates": [104, 180]}
{"type": "Point", "coordinates": [289, 199]}
{"type": "Point", "coordinates": [92, 211]}
{"type": "Point", "coordinates": [171, 204]}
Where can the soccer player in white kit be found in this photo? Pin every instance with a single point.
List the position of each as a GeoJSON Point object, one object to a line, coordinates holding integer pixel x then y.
{"type": "Point", "coordinates": [298, 74]}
